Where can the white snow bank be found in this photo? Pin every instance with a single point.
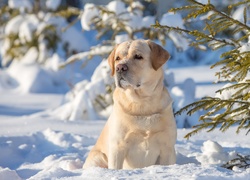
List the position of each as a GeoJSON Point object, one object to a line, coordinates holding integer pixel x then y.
{"type": "Point", "coordinates": [183, 95]}
{"type": "Point", "coordinates": [175, 172]}
{"type": "Point", "coordinates": [32, 78]}
{"type": "Point", "coordinates": [7, 82]}
{"type": "Point", "coordinates": [6, 173]}
{"type": "Point", "coordinates": [43, 147]}
{"type": "Point", "coordinates": [213, 153]}
{"type": "Point", "coordinates": [33, 151]}
{"type": "Point", "coordinates": [81, 101]}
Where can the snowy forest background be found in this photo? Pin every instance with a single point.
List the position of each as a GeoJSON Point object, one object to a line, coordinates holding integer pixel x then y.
{"type": "Point", "coordinates": [61, 49]}
{"type": "Point", "coordinates": [58, 48]}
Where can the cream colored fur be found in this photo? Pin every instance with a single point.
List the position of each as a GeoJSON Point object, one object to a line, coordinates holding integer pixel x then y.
{"type": "Point", "coordinates": [141, 130]}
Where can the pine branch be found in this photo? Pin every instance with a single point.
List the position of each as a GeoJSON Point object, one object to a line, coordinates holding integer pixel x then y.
{"type": "Point", "coordinates": [95, 51]}
{"type": "Point", "coordinates": [194, 33]}
{"type": "Point", "coordinates": [238, 4]}
{"type": "Point", "coordinates": [212, 8]}
{"type": "Point", "coordinates": [240, 162]}
{"type": "Point", "coordinates": [227, 118]}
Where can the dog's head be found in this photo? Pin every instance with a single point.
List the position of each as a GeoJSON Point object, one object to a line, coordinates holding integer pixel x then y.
{"type": "Point", "coordinates": [134, 63]}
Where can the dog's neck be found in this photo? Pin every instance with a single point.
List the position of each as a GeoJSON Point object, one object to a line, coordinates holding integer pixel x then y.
{"type": "Point", "coordinates": [139, 101]}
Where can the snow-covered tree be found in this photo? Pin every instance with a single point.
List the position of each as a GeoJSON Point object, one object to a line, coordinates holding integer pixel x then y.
{"type": "Point", "coordinates": [230, 30]}
{"type": "Point", "coordinates": [37, 28]}
{"type": "Point", "coordinates": [122, 20]}
{"type": "Point", "coordinates": [36, 36]}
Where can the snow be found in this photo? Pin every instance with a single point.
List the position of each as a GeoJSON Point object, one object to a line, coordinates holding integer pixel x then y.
{"type": "Point", "coordinates": [53, 4]}
{"type": "Point", "coordinates": [24, 26]}
{"type": "Point", "coordinates": [46, 148]}
{"type": "Point", "coordinates": [36, 145]}
{"type": "Point", "coordinates": [7, 173]}
{"type": "Point", "coordinates": [245, 47]}
{"type": "Point", "coordinates": [175, 20]}
{"type": "Point", "coordinates": [213, 153]}
{"type": "Point", "coordinates": [121, 38]}
{"type": "Point", "coordinates": [171, 19]}
{"type": "Point", "coordinates": [147, 21]}
{"type": "Point", "coordinates": [13, 25]}
{"type": "Point", "coordinates": [30, 57]}
{"type": "Point", "coordinates": [133, 19]}
{"type": "Point", "coordinates": [238, 15]}
{"type": "Point", "coordinates": [27, 28]}
{"type": "Point", "coordinates": [90, 11]}
{"type": "Point", "coordinates": [80, 101]}
{"type": "Point", "coordinates": [116, 6]}
{"type": "Point", "coordinates": [31, 78]}
{"type": "Point", "coordinates": [48, 136]}
{"type": "Point", "coordinates": [20, 4]}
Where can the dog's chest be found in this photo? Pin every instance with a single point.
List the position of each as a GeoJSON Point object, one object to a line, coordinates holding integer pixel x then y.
{"type": "Point", "coordinates": [147, 122]}
{"type": "Point", "coordinates": [144, 149]}
{"type": "Point", "coordinates": [144, 142]}
{"type": "Point", "coordinates": [146, 130]}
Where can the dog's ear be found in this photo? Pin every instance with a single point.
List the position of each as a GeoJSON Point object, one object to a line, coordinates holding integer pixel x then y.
{"type": "Point", "coordinates": [158, 55]}
{"type": "Point", "coordinates": [111, 60]}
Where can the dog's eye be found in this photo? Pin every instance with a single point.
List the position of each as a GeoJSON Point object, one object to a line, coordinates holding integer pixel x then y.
{"type": "Point", "coordinates": [117, 58]}
{"type": "Point", "coordinates": [137, 56]}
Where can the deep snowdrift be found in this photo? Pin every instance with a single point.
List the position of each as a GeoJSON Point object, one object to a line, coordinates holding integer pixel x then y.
{"type": "Point", "coordinates": [39, 146]}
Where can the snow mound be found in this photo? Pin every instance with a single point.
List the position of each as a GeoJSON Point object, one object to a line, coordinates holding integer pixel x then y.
{"type": "Point", "coordinates": [32, 79]}
{"type": "Point", "coordinates": [80, 102]}
{"type": "Point", "coordinates": [213, 153]}
{"type": "Point", "coordinates": [6, 173]}
{"type": "Point", "coordinates": [183, 95]}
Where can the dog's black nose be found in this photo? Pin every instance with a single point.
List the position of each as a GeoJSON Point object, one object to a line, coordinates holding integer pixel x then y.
{"type": "Point", "coordinates": [121, 68]}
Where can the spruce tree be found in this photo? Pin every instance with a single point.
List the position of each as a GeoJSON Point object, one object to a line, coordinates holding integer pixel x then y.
{"type": "Point", "coordinates": [231, 105]}
{"type": "Point", "coordinates": [42, 33]}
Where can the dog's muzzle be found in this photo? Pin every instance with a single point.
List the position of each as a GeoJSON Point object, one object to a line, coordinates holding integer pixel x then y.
{"type": "Point", "coordinates": [121, 71]}
{"type": "Point", "coordinates": [121, 68]}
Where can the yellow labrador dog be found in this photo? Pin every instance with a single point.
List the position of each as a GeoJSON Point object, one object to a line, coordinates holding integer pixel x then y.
{"type": "Point", "coordinates": [141, 130]}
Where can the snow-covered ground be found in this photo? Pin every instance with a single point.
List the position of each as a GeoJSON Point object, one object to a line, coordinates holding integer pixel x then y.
{"type": "Point", "coordinates": [34, 145]}
{"type": "Point", "coordinates": [44, 136]}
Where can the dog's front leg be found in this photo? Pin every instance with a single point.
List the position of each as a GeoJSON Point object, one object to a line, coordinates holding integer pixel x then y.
{"type": "Point", "coordinates": [116, 155]}
{"type": "Point", "coordinates": [167, 156]}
